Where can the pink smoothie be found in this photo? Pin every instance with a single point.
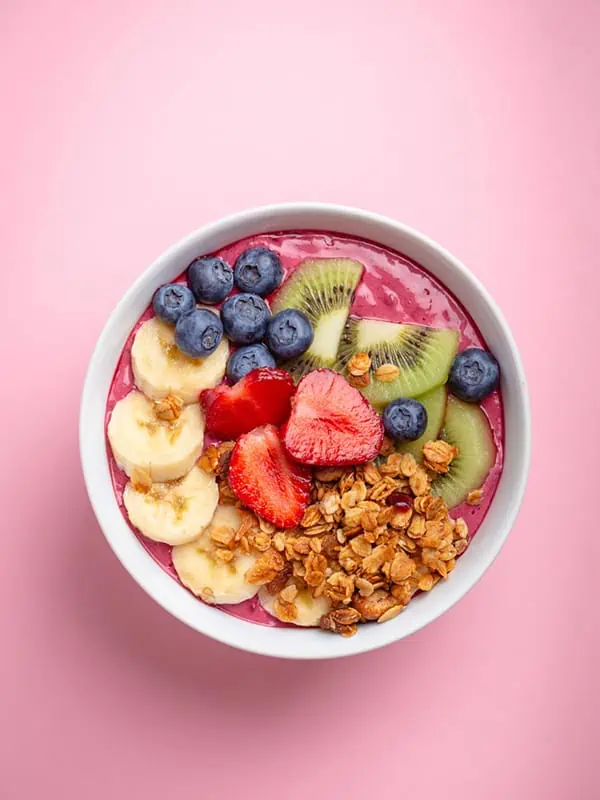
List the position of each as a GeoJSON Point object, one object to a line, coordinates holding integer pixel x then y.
{"type": "Point", "coordinates": [393, 289]}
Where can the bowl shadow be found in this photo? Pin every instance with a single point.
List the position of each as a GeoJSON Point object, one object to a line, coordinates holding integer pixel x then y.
{"type": "Point", "coordinates": [111, 612]}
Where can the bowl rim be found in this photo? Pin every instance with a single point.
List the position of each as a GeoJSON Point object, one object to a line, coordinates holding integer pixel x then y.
{"type": "Point", "coordinates": [279, 643]}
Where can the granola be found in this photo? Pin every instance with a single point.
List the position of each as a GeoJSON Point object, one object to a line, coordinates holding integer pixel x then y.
{"type": "Point", "coordinates": [367, 558]}
{"type": "Point", "coordinates": [438, 455]}
{"type": "Point", "coordinates": [359, 381]}
{"type": "Point", "coordinates": [475, 497]}
{"type": "Point", "coordinates": [387, 373]}
{"type": "Point", "coordinates": [359, 364]}
{"type": "Point", "coordinates": [168, 409]}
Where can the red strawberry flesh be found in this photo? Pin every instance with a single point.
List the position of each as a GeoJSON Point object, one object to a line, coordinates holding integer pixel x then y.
{"type": "Point", "coordinates": [265, 478]}
{"type": "Point", "coordinates": [259, 398]}
{"type": "Point", "coordinates": [331, 423]}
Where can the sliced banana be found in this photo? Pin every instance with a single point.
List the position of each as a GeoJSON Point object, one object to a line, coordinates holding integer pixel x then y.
{"type": "Point", "coordinates": [309, 609]}
{"type": "Point", "coordinates": [160, 368]}
{"type": "Point", "coordinates": [201, 571]}
{"type": "Point", "coordinates": [174, 513]}
{"type": "Point", "coordinates": [165, 450]}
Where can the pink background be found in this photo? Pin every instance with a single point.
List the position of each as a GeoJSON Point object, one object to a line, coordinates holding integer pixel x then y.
{"type": "Point", "coordinates": [125, 125]}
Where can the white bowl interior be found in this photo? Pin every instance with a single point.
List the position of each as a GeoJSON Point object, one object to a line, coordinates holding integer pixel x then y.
{"type": "Point", "coordinates": [306, 643]}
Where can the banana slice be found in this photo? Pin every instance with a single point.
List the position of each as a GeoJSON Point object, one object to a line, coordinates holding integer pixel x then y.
{"type": "Point", "coordinates": [174, 513]}
{"type": "Point", "coordinates": [309, 609]}
{"type": "Point", "coordinates": [165, 450]}
{"type": "Point", "coordinates": [160, 368]}
{"type": "Point", "coordinates": [201, 571]}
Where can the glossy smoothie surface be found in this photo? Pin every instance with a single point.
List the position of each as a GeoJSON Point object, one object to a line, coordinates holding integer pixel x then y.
{"type": "Point", "coordinates": [392, 288]}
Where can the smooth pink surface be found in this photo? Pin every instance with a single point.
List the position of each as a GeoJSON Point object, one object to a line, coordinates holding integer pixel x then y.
{"type": "Point", "coordinates": [125, 125]}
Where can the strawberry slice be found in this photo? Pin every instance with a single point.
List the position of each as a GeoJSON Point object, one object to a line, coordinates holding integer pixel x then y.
{"type": "Point", "coordinates": [331, 423]}
{"type": "Point", "coordinates": [259, 398]}
{"type": "Point", "coordinates": [265, 478]}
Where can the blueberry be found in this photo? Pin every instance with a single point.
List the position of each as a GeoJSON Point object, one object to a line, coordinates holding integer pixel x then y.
{"type": "Point", "coordinates": [405, 420]}
{"type": "Point", "coordinates": [210, 279]}
{"type": "Point", "coordinates": [171, 301]}
{"type": "Point", "coordinates": [245, 318]}
{"type": "Point", "coordinates": [199, 333]}
{"type": "Point", "coordinates": [245, 359]}
{"type": "Point", "coordinates": [475, 374]}
{"type": "Point", "coordinates": [258, 270]}
{"type": "Point", "coordinates": [289, 333]}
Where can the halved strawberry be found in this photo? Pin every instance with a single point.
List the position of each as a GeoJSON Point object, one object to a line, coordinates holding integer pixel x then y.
{"type": "Point", "coordinates": [331, 423]}
{"type": "Point", "coordinates": [265, 478]}
{"type": "Point", "coordinates": [261, 397]}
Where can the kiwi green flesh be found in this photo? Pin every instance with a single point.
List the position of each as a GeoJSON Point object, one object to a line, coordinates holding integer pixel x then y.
{"type": "Point", "coordinates": [319, 286]}
{"type": "Point", "coordinates": [423, 355]}
{"type": "Point", "coordinates": [467, 428]}
{"type": "Point", "coordinates": [302, 365]}
{"type": "Point", "coordinates": [435, 405]}
{"type": "Point", "coordinates": [323, 288]}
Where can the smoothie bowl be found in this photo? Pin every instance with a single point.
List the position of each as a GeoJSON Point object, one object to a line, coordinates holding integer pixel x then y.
{"type": "Point", "coordinates": [305, 431]}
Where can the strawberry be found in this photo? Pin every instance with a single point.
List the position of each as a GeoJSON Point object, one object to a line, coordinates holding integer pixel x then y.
{"type": "Point", "coordinates": [331, 423]}
{"type": "Point", "coordinates": [265, 478]}
{"type": "Point", "coordinates": [261, 397]}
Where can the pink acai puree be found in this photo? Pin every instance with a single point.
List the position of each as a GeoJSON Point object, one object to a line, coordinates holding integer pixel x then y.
{"type": "Point", "coordinates": [393, 288]}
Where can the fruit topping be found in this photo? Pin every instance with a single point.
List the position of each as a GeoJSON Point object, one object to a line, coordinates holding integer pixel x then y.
{"type": "Point", "coordinates": [173, 513]}
{"type": "Point", "coordinates": [289, 333]}
{"type": "Point", "coordinates": [331, 423]}
{"type": "Point", "coordinates": [475, 374]}
{"type": "Point", "coordinates": [199, 333]}
{"type": "Point", "coordinates": [210, 279]}
{"type": "Point", "coordinates": [172, 301]}
{"type": "Point", "coordinates": [299, 607]}
{"type": "Point", "coordinates": [245, 359]}
{"type": "Point", "coordinates": [245, 318]}
{"type": "Point", "coordinates": [434, 403]}
{"type": "Point", "coordinates": [400, 501]}
{"type": "Point", "coordinates": [261, 397]}
{"type": "Point", "coordinates": [160, 368]}
{"type": "Point", "coordinates": [209, 568]}
{"type": "Point", "coordinates": [264, 477]}
{"type": "Point", "coordinates": [142, 442]}
{"type": "Point", "coordinates": [406, 360]}
{"type": "Point", "coordinates": [467, 429]}
{"type": "Point", "coordinates": [258, 270]}
{"type": "Point", "coordinates": [323, 289]}
{"type": "Point", "coordinates": [405, 419]}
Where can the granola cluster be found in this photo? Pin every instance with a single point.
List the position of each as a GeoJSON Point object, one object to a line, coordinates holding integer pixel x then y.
{"type": "Point", "coordinates": [359, 371]}
{"type": "Point", "coordinates": [169, 408]}
{"type": "Point", "coordinates": [367, 557]}
{"type": "Point", "coordinates": [166, 413]}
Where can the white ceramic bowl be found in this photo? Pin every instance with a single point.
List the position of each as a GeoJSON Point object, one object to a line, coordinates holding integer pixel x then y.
{"type": "Point", "coordinates": [306, 643]}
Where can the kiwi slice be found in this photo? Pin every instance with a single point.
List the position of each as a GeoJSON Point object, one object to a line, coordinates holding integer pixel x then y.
{"type": "Point", "coordinates": [435, 405]}
{"type": "Point", "coordinates": [423, 355]}
{"type": "Point", "coordinates": [468, 429]}
{"type": "Point", "coordinates": [323, 288]}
